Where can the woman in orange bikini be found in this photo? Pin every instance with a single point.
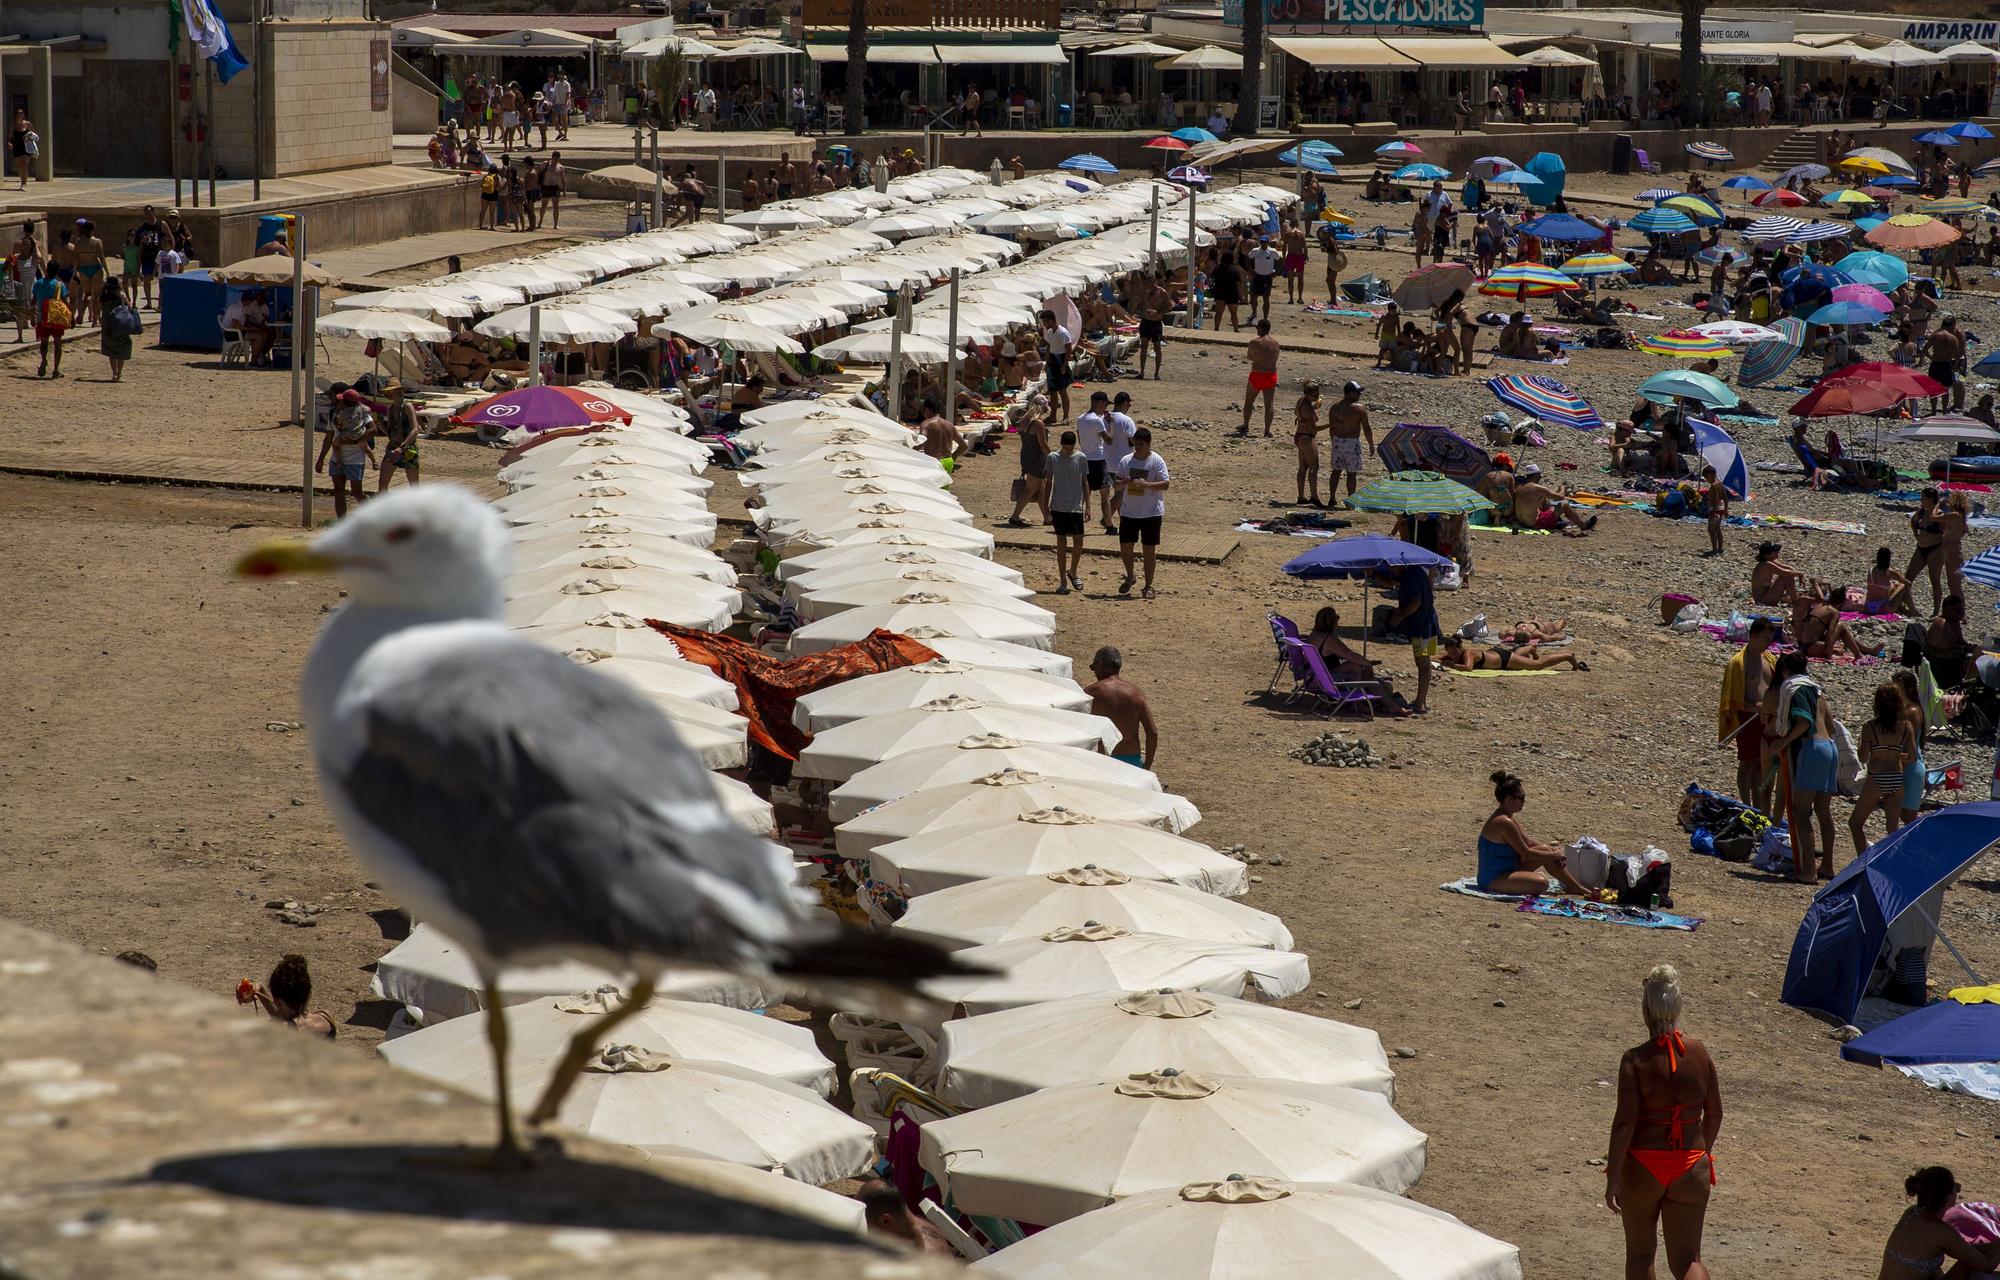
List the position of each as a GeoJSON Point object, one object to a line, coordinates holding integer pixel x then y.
{"type": "Point", "coordinates": [1661, 1166]}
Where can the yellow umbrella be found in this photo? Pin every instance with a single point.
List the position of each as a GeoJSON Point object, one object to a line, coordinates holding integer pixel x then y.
{"type": "Point", "coordinates": [1866, 164]}
{"type": "Point", "coordinates": [1849, 196]}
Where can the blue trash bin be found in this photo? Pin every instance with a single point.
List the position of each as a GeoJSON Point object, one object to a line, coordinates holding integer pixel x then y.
{"type": "Point", "coordinates": [1063, 115]}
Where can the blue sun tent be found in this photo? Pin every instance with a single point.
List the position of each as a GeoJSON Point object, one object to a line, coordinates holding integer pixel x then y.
{"type": "Point", "coordinates": [1550, 174]}
{"type": "Point", "coordinates": [1880, 913]}
{"type": "Point", "coordinates": [1947, 1031]}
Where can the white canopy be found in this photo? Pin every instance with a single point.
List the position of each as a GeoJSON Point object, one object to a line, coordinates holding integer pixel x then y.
{"type": "Point", "coordinates": [914, 686]}
{"type": "Point", "coordinates": [845, 750]}
{"type": "Point", "coordinates": [1085, 958]}
{"type": "Point", "coordinates": [1047, 841]}
{"type": "Point", "coordinates": [975, 758]}
{"type": "Point", "coordinates": [1016, 908]}
{"type": "Point", "coordinates": [1002, 796]}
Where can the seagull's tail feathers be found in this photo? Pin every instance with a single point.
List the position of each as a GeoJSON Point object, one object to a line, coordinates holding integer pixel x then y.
{"type": "Point", "coordinates": [870, 972]}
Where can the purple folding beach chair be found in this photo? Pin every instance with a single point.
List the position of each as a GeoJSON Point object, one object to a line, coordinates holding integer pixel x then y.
{"type": "Point", "coordinates": [1283, 631]}
{"type": "Point", "coordinates": [1313, 679]}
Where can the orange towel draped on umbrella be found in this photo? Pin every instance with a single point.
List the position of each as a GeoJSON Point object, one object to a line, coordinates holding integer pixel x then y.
{"type": "Point", "coordinates": [768, 685]}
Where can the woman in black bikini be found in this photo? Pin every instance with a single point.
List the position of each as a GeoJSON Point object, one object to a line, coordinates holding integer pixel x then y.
{"type": "Point", "coordinates": [1928, 555]}
{"type": "Point", "coordinates": [1506, 657]}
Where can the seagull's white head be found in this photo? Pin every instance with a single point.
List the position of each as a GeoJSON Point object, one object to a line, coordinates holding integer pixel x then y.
{"type": "Point", "coordinates": [434, 548]}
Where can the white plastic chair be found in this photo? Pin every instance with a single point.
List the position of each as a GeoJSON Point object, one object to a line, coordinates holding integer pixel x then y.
{"type": "Point", "coordinates": [235, 348]}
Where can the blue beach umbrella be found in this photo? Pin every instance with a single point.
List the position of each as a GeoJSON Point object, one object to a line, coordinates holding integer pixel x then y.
{"type": "Point", "coordinates": [1088, 163]}
{"type": "Point", "coordinates": [1519, 179]}
{"type": "Point", "coordinates": [1747, 182]}
{"type": "Point", "coordinates": [1869, 223]}
{"type": "Point", "coordinates": [1984, 569]}
{"type": "Point", "coordinates": [1937, 138]}
{"type": "Point", "coordinates": [1661, 222]}
{"type": "Point", "coordinates": [1553, 174]}
{"type": "Point", "coordinates": [1420, 173]}
{"type": "Point", "coordinates": [1563, 227]}
{"type": "Point", "coordinates": [1685, 384]}
{"type": "Point", "coordinates": [1320, 146]}
{"type": "Point", "coordinates": [1194, 133]}
{"type": "Point", "coordinates": [1816, 273]}
{"type": "Point", "coordinates": [1718, 449]}
{"type": "Point", "coordinates": [1360, 556]}
{"type": "Point", "coordinates": [1310, 161]}
{"type": "Point", "coordinates": [1846, 313]}
{"type": "Point", "coordinates": [1657, 194]}
{"type": "Point", "coordinates": [1893, 180]}
{"type": "Point", "coordinates": [1948, 1031]}
{"type": "Point", "coordinates": [1968, 131]}
{"type": "Point", "coordinates": [1546, 399]}
{"type": "Point", "coordinates": [1869, 266]}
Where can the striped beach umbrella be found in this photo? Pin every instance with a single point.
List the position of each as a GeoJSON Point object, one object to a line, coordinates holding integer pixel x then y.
{"type": "Point", "coordinates": [1088, 163]}
{"type": "Point", "coordinates": [1984, 568]}
{"type": "Point", "coordinates": [1821, 231]}
{"type": "Point", "coordinates": [1546, 399]}
{"type": "Point", "coordinates": [1661, 220]}
{"type": "Point", "coordinates": [1685, 343]}
{"type": "Point", "coordinates": [1764, 361]}
{"type": "Point", "coordinates": [1585, 265]}
{"type": "Point", "coordinates": [1846, 196]}
{"type": "Point", "coordinates": [1953, 207]}
{"type": "Point", "coordinates": [1420, 173]}
{"type": "Point", "coordinates": [1399, 148]}
{"type": "Point", "coordinates": [1420, 493]}
{"type": "Point", "coordinates": [1657, 194]}
{"type": "Point", "coordinates": [1310, 161]}
{"type": "Point", "coordinates": [1527, 280]}
{"type": "Point", "coordinates": [1804, 173]}
{"type": "Point", "coordinates": [1711, 151]}
{"type": "Point", "coordinates": [1775, 227]}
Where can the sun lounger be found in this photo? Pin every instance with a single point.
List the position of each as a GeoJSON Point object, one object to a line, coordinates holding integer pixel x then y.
{"type": "Point", "coordinates": [1283, 631]}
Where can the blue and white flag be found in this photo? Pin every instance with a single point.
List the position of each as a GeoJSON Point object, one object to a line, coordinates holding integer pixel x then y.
{"type": "Point", "coordinates": [210, 35]}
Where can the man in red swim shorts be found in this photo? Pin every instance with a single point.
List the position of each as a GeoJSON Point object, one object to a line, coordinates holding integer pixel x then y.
{"type": "Point", "coordinates": [1263, 353]}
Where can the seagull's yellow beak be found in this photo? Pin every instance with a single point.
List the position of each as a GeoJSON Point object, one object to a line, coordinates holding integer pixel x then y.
{"type": "Point", "coordinates": [279, 557]}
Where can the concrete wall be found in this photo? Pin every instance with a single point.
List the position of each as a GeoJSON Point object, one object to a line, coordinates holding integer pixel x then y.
{"type": "Point", "coordinates": [325, 119]}
{"type": "Point", "coordinates": [112, 119]}
{"type": "Point", "coordinates": [413, 99]}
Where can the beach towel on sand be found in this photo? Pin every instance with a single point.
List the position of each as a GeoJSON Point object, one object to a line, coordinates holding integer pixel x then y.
{"type": "Point", "coordinates": [1469, 887]}
{"type": "Point", "coordinates": [1609, 913]}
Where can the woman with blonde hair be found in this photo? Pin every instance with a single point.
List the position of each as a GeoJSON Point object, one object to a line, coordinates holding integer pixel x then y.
{"type": "Point", "coordinates": [1661, 1163]}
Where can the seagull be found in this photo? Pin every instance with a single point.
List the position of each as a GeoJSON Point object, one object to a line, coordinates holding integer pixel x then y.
{"type": "Point", "coordinates": [530, 809]}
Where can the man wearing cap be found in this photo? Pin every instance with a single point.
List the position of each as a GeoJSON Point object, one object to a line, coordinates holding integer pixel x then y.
{"type": "Point", "coordinates": [1347, 426]}
{"type": "Point", "coordinates": [1142, 481]}
{"type": "Point", "coordinates": [1262, 352]}
{"type": "Point", "coordinates": [1536, 506]}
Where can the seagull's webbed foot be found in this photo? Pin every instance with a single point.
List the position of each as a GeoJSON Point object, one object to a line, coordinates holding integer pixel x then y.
{"type": "Point", "coordinates": [581, 1046]}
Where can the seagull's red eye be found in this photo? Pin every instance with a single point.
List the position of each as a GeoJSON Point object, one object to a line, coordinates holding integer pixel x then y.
{"type": "Point", "coordinates": [401, 533]}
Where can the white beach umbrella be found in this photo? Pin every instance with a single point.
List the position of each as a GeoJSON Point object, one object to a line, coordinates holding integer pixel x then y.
{"type": "Point", "coordinates": [872, 575]}
{"type": "Point", "coordinates": [895, 531]}
{"type": "Point", "coordinates": [775, 219]}
{"type": "Point", "coordinates": [652, 417]}
{"type": "Point", "coordinates": [561, 322]}
{"type": "Point", "coordinates": [745, 807]}
{"type": "Point", "coordinates": [788, 411]}
{"type": "Point", "coordinates": [676, 686]}
{"type": "Point", "coordinates": [662, 554]}
{"type": "Point", "coordinates": [1003, 795]}
{"type": "Point", "coordinates": [734, 331]}
{"type": "Point", "coordinates": [780, 440]}
{"type": "Point", "coordinates": [1014, 908]}
{"type": "Point", "coordinates": [1049, 840]}
{"type": "Point", "coordinates": [1063, 1152]}
{"type": "Point", "coordinates": [975, 758]}
{"type": "Point", "coordinates": [1258, 1229]}
{"type": "Point", "coordinates": [485, 294]}
{"type": "Point", "coordinates": [383, 325]}
{"type": "Point", "coordinates": [526, 505]}
{"type": "Point", "coordinates": [575, 580]}
{"type": "Point", "coordinates": [845, 750]}
{"type": "Point", "coordinates": [878, 273]}
{"type": "Point", "coordinates": [1011, 1054]}
{"type": "Point", "coordinates": [913, 686]}
{"type": "Point", "coordinates": [791, 507]}
{"type": "Point", "coordinates": [901, 226]}
{"type": "Point", "coordinates": [877, 346]}
{"type": "Point", "coordinates": [607, 447]}
{"type": "Point", "coordinates": [636, 297]}
{"type": "Point", "coordinates": [672, 476]}
{"type": "Point", "coordinates": [614, 637]}
{"type": "Point", "coordinates": [912, 474]}
{"type": "Point", "coordinates": [845, 558]}
{"type": "Point", "coordinates": [587, 599]}
{"type": "Point", "coordinates": [431, 974]}
{"type": "Point", "coordinates": [457, 1050]}
{"type": "Point", "coordinates": [419, 301]}
{"type": "Point", "coordinates": [715, 747]}
{"type": "Point", "coordinates": [988, 593]}
{"type": "Point", "coordinates": [848, 299]}
{"type": "Point", "coordinates": [587, 260]}
{"type": "Point", "coordinates": [999, 653]}
{"type": "Point", "coordinates": [760, 1187]}
{"type": "Point", "coordinates": [532, 278]}
{"type": "Point", "coordinates": [1085, 958]}
{"type": "Point", "coordinates": [920, 616]}
{"type": "Point", "coordinates": [638, 1098]}
{"type": "Point", "coordinates": [933, 328]}
{"type": "Point", "coordinates": [592, 515]}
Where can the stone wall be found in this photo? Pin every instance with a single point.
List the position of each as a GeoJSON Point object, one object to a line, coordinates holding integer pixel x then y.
{"type": "Point", "coordinates": [321, 114]}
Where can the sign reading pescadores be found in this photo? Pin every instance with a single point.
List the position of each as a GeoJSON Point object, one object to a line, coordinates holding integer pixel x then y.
{"type": "Point", "coordinates": [1443, 14]}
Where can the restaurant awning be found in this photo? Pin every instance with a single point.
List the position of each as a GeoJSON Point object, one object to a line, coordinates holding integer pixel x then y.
{"type": "Point", "coordinates": [1452, 53]}
{"type": "Point", "coordinates": [1338, 52]}
{"type": "Point", "coordinates": [425, 37]}
{"type": "Point", "coordinates": [1137, 49]}
{"type": "Point", "coordinates": [1747, 53]}
{"type": "Point", "coordinates": [995, 55]}
{"type": "Point", "coordinates": [902, 54]}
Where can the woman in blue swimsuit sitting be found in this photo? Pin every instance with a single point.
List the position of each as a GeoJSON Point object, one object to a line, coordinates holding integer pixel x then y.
{"type": "Point", "coordinates": [1509, 860]}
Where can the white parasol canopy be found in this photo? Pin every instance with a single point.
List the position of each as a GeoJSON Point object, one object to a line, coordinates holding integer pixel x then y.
{"type": "Point", "coordinates": [429, 973]}
{"type": "Point", "coordinates": [922, 615]}
{"type": "Point", "coordinates": [997, 1056]}
{"type": "Point", "coordinates": [805, 412]}
{"type": "Point", "coordinates": [596, 515]}
{"type": "Point", "coordinates": [421, 301]}
{"type": "Point", "coordinates": [644, 297]}
{"type": "Point", "coordinates": [1254, 1229]}
{"type": "Point", "coordinates": [1000, 581]}
{"type": "Point", "coordinates": [561, 322]}
{"type": "Point", "coordinates": [458, 1051]}
{"type": "Point", "coordinates": [845, 558]}
{"type": "Point", "coordinates": [643, 1099]}
{"type": "Point", "coordinates": [790, 506]}
{"type": "Point", "coordinates": [823, 432]}
{"type": "Point", "coordinates": [737, 333]}
{"type": "Point", "coordinates": [914, 686]}
{"type": "Point", "coordinates": [975, 758]}
{"type": "Point", "coordinates": [671, 475]}
{"type": "Point", "coordinates": [1060, 1153]}
{"type": "Point", "coordinates": [608, 446]}
{"type": "Point", "coordinates": [840, 753]}
{"type": "Point", "coordinates": [383, 325]}
{"type": "Point", "coordinates": [676, 687]}
{"type": "Point", "coordinates": [877, 346]}
{"type": "Point", "coordinates": [653, 553]}
{"type": "Point", "coordinates": [587, 599]}
{"type": "Point", "coordinates": [986, 593]}
{"type": "Point", "coordinates": [758, 1187]}
{"type": "Point", "coordinates": [1047, 841]}
{"type": "Point", "coordinates": [1002, 796]}
{"type": "Point", "coordinates": [563, 579]}
{"type": "Point", "coordinates": [663, 501]}
{"type": "Point", "coordinates": [1015, 908]}
{"type": "Point", "coordinates": [1085, 958]}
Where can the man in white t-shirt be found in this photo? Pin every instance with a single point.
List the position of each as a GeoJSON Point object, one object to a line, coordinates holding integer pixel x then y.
{"type": "Point", "coordinates": [1118, 429]}
{"type": "Point", "coordinates": [1142, 506]}
{"type": "Point", "coordinates": [1090, 440]}
{"type": "Point", "coordinates": [1056, 344]}
{"type": "Point", "coordinates": [561, 95]}
{"type": "Point", "coordinates": [1264, 264]}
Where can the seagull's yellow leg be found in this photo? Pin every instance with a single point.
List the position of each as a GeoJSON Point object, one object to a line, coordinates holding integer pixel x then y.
{"type": "Point", "coordinates": [510, 1151]}
{"type": "Point", "coordinates": [581, 1045]}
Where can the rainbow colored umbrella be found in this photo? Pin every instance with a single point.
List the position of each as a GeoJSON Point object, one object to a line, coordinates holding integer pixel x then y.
{"type": "Point", "coordinates": [1913, 231]}
{"type": "Point", "coordinates": [1685, 343]}
{"type": "Point", "coordinates": [1585, 265]}
{"type": "Point", "coordinates": [1546, 399]}
{"type": "Point", "coordinates": [1763, 361]}
{"type": "Point", "coordinates": [1953, 207]}
{"type": "Point", "coordinates": [1527, 280]}
{"type": "Point", "coordinates": [1711, 151]}
{"type": "Point", "coordinates": [540, 409]}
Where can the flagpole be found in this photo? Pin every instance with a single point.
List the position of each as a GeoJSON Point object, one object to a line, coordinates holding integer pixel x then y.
{"type": "Point", "coordinates": [174, 97]}
{"type": "Point", "coordinates": [208, 94]}
{"type": "Point", "coordinates": [256, 102]}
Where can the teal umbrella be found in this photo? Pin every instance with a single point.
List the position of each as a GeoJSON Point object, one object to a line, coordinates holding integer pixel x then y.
{"type": "Point", "coordinates": [1424, 493]}
{"type": "Point", "coordinates": [1686, 384]}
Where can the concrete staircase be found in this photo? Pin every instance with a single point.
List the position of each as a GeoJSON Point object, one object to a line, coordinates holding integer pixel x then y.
{"type": "Point", "coordinates": [1801, 146]}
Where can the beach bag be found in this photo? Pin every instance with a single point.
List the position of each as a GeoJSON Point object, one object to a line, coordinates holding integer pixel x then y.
{"type": "Point", "coordinates": [123, 319]}
{"type": "Point", "coordinates": [1589, 860]}
{"type": "Point", "coordinates": [1635, 879]}
{"type": "Point", "coordinates": [1774, 853]}
{"type": "Point", "coordinates": [1688, 620]}
{"type": "Point", "coordinates": [1015, 490]}
{"type": "Point", "coordinates": [1849, 773]}
{"type": "Point", "coordinates": [56, 312]}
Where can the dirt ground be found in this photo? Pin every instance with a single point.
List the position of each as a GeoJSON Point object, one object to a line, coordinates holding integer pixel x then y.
{"type": "Point", "coordinates": [157, 794]}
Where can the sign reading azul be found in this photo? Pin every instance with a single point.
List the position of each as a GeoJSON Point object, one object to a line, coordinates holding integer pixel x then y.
{"type": "Point", "coordinates": [1944, 33]}
{"type": "Point", "coordinates": [1365, 13]}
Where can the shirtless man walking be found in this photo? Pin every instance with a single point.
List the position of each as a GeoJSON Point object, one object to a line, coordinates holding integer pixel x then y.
{"type": "Point", "coordinates": [1946, 348]}
{"type": "Point", "coordinates": [1295, 263]}
{"type": "Point", "coordinates": [1154, 304]}
{"type": "Point", "coordinates": [1121, 702]}
{"type": "Point", "coordinates": [1263, 353]}
{"type": "Point", "coordinates": [1347, 426]}
{"type": "Point", "coordinates": [89, 274]}
{"type": "Point", "coordinates": [941, 440]}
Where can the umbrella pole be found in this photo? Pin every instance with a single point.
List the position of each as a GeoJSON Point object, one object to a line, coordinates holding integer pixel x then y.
{"type": "Point", "coordinates": [535, 345]}
{"type": "Point", "coordinates": [305, 401]}
{"type": "Point", "coordinates": [1152, 236]}
{"type": "Point", "coordinates": [1193, 319]}
{"type": "Point", "coordinates": [951, 360]}
{"type": "Point", "coordinates": [1367, 616]}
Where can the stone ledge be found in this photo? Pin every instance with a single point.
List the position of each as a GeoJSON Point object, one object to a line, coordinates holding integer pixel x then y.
{"type": "Point", "coordinates": [153, 1131]}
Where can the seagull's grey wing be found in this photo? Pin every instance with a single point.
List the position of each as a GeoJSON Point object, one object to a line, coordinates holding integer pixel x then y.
{"type": "Point", "coordinates": [557, 808]}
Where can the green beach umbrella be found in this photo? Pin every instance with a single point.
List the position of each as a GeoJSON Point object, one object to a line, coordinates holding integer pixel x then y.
{"type": "Point", "coordinates": [1424, 493]}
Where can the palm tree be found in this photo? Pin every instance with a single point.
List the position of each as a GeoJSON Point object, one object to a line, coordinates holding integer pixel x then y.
{"type": "Point", "coordinates": [1248, 89]}
{"type": "Point", "coordinates": [857, 65]}
{"type": "Point", "coordinates": [1692, 107]}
